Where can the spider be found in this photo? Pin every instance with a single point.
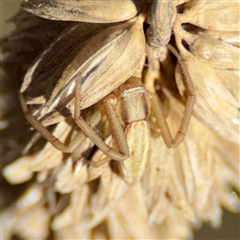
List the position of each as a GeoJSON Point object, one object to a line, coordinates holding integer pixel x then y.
{"type": "Point", "coordinates": [106, 58]}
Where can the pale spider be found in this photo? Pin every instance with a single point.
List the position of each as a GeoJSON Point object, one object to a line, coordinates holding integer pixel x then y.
{"type": "Point", "coordinates": [88, 79]}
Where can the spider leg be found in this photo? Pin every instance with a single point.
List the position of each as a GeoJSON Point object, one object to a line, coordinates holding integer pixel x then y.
{"type": "Point", "coordinates": [115, 124]}
{"type": "Point", "coordinates": [156, 104]}
{"type": "Point", "coordinates": [151, 75]}
{"type": "Point", "coordinates": [111, 153]}
{"type": "Point", "coordinates": [158, 111]}
{"type": "Point", "coordinates": [67, 148]}
{"type": "Point", "coordinates": [189, 90]}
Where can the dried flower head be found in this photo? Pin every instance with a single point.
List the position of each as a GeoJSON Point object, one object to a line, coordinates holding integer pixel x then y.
{"type": "Point", "coordinates": [67, 197]}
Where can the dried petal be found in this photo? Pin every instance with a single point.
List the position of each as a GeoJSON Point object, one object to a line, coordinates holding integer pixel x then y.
{"type": "Point", "coordinates": [18, 171]}
{"type": "Point", "coordinates": [213, 15]}
{"type": "Point", "coordinates": [104, 11]}
{"type": "Point", "coordinates": [232, 37]}
{"type": "Point", "coordinates": [50, 157]}
{"type": "Point", "coordinates": [216, 53]}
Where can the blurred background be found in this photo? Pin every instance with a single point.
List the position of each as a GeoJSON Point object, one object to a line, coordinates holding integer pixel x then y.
{"type": "Point", "coordinates": [231, 222]}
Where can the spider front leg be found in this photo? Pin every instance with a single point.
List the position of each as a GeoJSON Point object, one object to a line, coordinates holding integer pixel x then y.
{"type": "Point", "coordinates": [117, 131]}
{"type": "Point", "coordinates": [37, 125]}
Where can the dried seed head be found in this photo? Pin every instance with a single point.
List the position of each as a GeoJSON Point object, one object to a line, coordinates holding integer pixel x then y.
{"type": "Point", "coordinates": [181, 187]}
